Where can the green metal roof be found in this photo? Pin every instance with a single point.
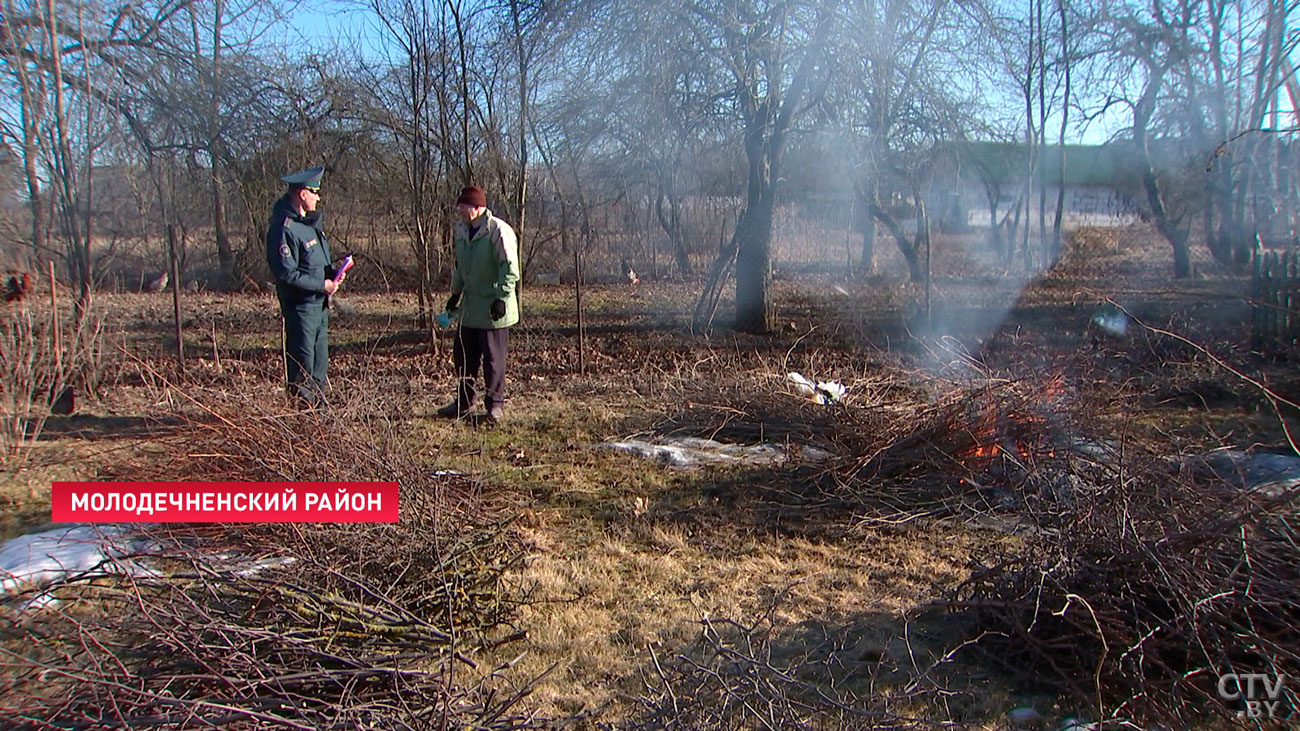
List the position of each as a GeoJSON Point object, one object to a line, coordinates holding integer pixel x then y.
{"type": "Point", "coordinates": [1084, 164]}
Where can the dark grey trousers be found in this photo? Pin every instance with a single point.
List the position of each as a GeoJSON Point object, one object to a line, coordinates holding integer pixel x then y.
{"type": "Point", "coordinates": [306, 349]}
{"type": "Point", "coordinates": [474, 347]}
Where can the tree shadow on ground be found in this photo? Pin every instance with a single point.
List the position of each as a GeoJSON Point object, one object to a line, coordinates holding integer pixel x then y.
{"type": "Point", "coordinates": [95, 428]}
{"type": "Point", "coordinates": [870, 670]}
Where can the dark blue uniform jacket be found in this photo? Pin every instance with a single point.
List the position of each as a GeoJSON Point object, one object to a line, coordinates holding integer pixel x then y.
{"type": "Point", "coordinates": [298, 254]}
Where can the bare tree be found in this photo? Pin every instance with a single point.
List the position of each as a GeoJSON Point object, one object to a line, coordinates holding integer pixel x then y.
{"type": "Point", "coordinates": [1201, 79]}
{"type": "Point", "coordinates": [23, 48]}
{"type": "Point", "coordinates": [1145, 48]}
{"type": "Point", "coordinates": [897, 99]}
{"type": "Point", "coordinates": [68, 63]}
{"type": "Point", "coordinates": [664, 119]}
{"type": "Point", "coordinates": [772, 57]}
{"type": "Point", "coordinates": [208, 45]}
{"type": "Point", "coordinates": [524, 27]}
{"type": "Point", "coordinates": [409, 104]}
{"type": "Point", "coordinates": [1065, 62]}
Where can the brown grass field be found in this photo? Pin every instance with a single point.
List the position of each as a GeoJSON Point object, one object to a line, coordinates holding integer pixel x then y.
{"type": "Point", "coordinates": [636, 591]}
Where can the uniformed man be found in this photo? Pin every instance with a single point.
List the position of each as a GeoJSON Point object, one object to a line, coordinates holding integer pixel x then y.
{"type": "Point", "coordinates": [484, 300]}
{"type": "Point", "coordinates": [299, 256]}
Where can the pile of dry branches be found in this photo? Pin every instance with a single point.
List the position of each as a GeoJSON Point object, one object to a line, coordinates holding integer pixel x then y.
{"type": "Point", "coordinates": [1140, 581]}
{"type": "Point", "coordinates": [1140, 598]}
{"type": "Point", "coordinates": [295, 625]}
{"type": "Point", "coordinates": [993, 446]}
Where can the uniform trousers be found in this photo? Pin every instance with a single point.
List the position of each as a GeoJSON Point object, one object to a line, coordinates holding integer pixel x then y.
{"type": "Point", "coordinates": [306, 348]}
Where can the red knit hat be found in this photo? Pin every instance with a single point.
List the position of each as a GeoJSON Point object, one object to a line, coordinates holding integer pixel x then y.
{"type": "Point", "coordinates": [474, 196]}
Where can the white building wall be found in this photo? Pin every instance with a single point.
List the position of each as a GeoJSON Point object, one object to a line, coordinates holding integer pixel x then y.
{"type": "Point", "coordinates": [1085, 205]}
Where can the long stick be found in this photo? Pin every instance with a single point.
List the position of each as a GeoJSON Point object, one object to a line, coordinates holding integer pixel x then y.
{"type": "Point", "coordinates": [577, 290]}
{"type": "Point", "coordinates": [173, 257]}
{"type": "Point", "coordinates": [929, 315]}
{"type": "Point", "coordinates": [54, 317]}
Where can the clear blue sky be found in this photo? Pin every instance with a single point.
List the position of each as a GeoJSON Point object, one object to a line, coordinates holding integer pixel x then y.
{"type": "Point", "coordinates": [324, 24]}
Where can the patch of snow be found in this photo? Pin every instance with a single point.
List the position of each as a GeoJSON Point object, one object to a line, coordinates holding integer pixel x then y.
{"type": "Point", "coordinates": [50, 558]}
{"type": "Point", "coordinates": [1264, 473]}
{"type": "Point", "coordinates": [694, 452]}
{"type": "Point", "coordinates": [54, 556]}
{"type": "Point", "coordinates": [1024, 716]}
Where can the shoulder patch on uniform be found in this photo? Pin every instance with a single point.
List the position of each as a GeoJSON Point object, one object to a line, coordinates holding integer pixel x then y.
{"type": "Point", "coordinates": [284, 249]}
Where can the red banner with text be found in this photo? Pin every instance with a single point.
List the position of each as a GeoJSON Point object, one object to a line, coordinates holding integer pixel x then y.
{"type": "Point", "coordinates": [225, 502]}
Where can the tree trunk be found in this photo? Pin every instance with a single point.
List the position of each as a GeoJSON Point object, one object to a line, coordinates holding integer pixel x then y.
{"type": "Point", "coordinates": [1176, 236]}
{"type": "Point", "coordinates": [671, 222]}
{"type": "Point", "coordinates": [31, 111]}
{"type": "Point", "coordinates": [868, 263]}
{"type": "Point", "coordinates": [754, 270]}
{"type": "Point", "coordinates": [906, 245]}
{"type": "Point", "coordinates": [1065, 118]}
{"type": "Point", "coordinates": [227, 258]}
{"type": "Point", "coordinates": [35, 200]}
{"type": "Point", "coordinates": [228, 267]}
{"type": "Point", "coordinates": [1218, 185]}
{"type": "Point", "coordinates": [521, 189]}
{"type": "Point", "coordinates": [915, 268]}
{"type": "Point", "coordinates": [1031, 143]}
{"type": "Point", "coordinates": [174, 262]}
{"type": "Point", "coordinates": [468, 172]}
{"type": "Point", "coordinates": [867, 224]}
{"type": "Point", "coordinates": [1045, 247]}
{"type": "Point", "coordinates": [995, 227]}
{"type": "Point", "coordinates": [754, 257]}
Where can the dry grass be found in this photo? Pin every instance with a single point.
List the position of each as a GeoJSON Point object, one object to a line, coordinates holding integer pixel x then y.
{"type": "Point", "coordinates": [599, 607]}
{"type": "Point", "coordinates": [631, 574]}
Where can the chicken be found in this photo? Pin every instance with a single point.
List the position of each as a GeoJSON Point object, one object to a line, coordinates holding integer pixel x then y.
{"type": "Point", "coordinates": [64, 403]}
{"type": "Point", "coordinates": [157, 284]}
{"type": "Point", "coordinates": [17, 287]}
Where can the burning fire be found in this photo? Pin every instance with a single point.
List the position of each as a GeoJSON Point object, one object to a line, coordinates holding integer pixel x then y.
{"type": "Point", "coordinates": [1017, 432]}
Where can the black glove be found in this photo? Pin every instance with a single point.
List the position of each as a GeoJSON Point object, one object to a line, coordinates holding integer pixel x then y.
{"type": "Point", "coordinates": [452, 301]}
{"type": "Point", "coordinates": [498, 309]}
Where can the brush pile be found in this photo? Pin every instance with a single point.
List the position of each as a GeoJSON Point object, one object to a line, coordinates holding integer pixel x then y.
{"type": "Point", "coordinates": [1140, 599]}
{"type": "Point", "coordinates": [993, 447]}
{"type": "Point", "coordinates": [1142, 576]}
{"type": "Point", "coordinates": [295, 625]}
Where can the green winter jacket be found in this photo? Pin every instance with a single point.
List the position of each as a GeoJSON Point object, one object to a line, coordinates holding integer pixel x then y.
{"type": "Point", "coordinates": [487, 269]}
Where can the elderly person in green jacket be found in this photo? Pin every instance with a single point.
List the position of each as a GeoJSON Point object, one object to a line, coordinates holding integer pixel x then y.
{"type": "Point", "coordinates": [484, 301]}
